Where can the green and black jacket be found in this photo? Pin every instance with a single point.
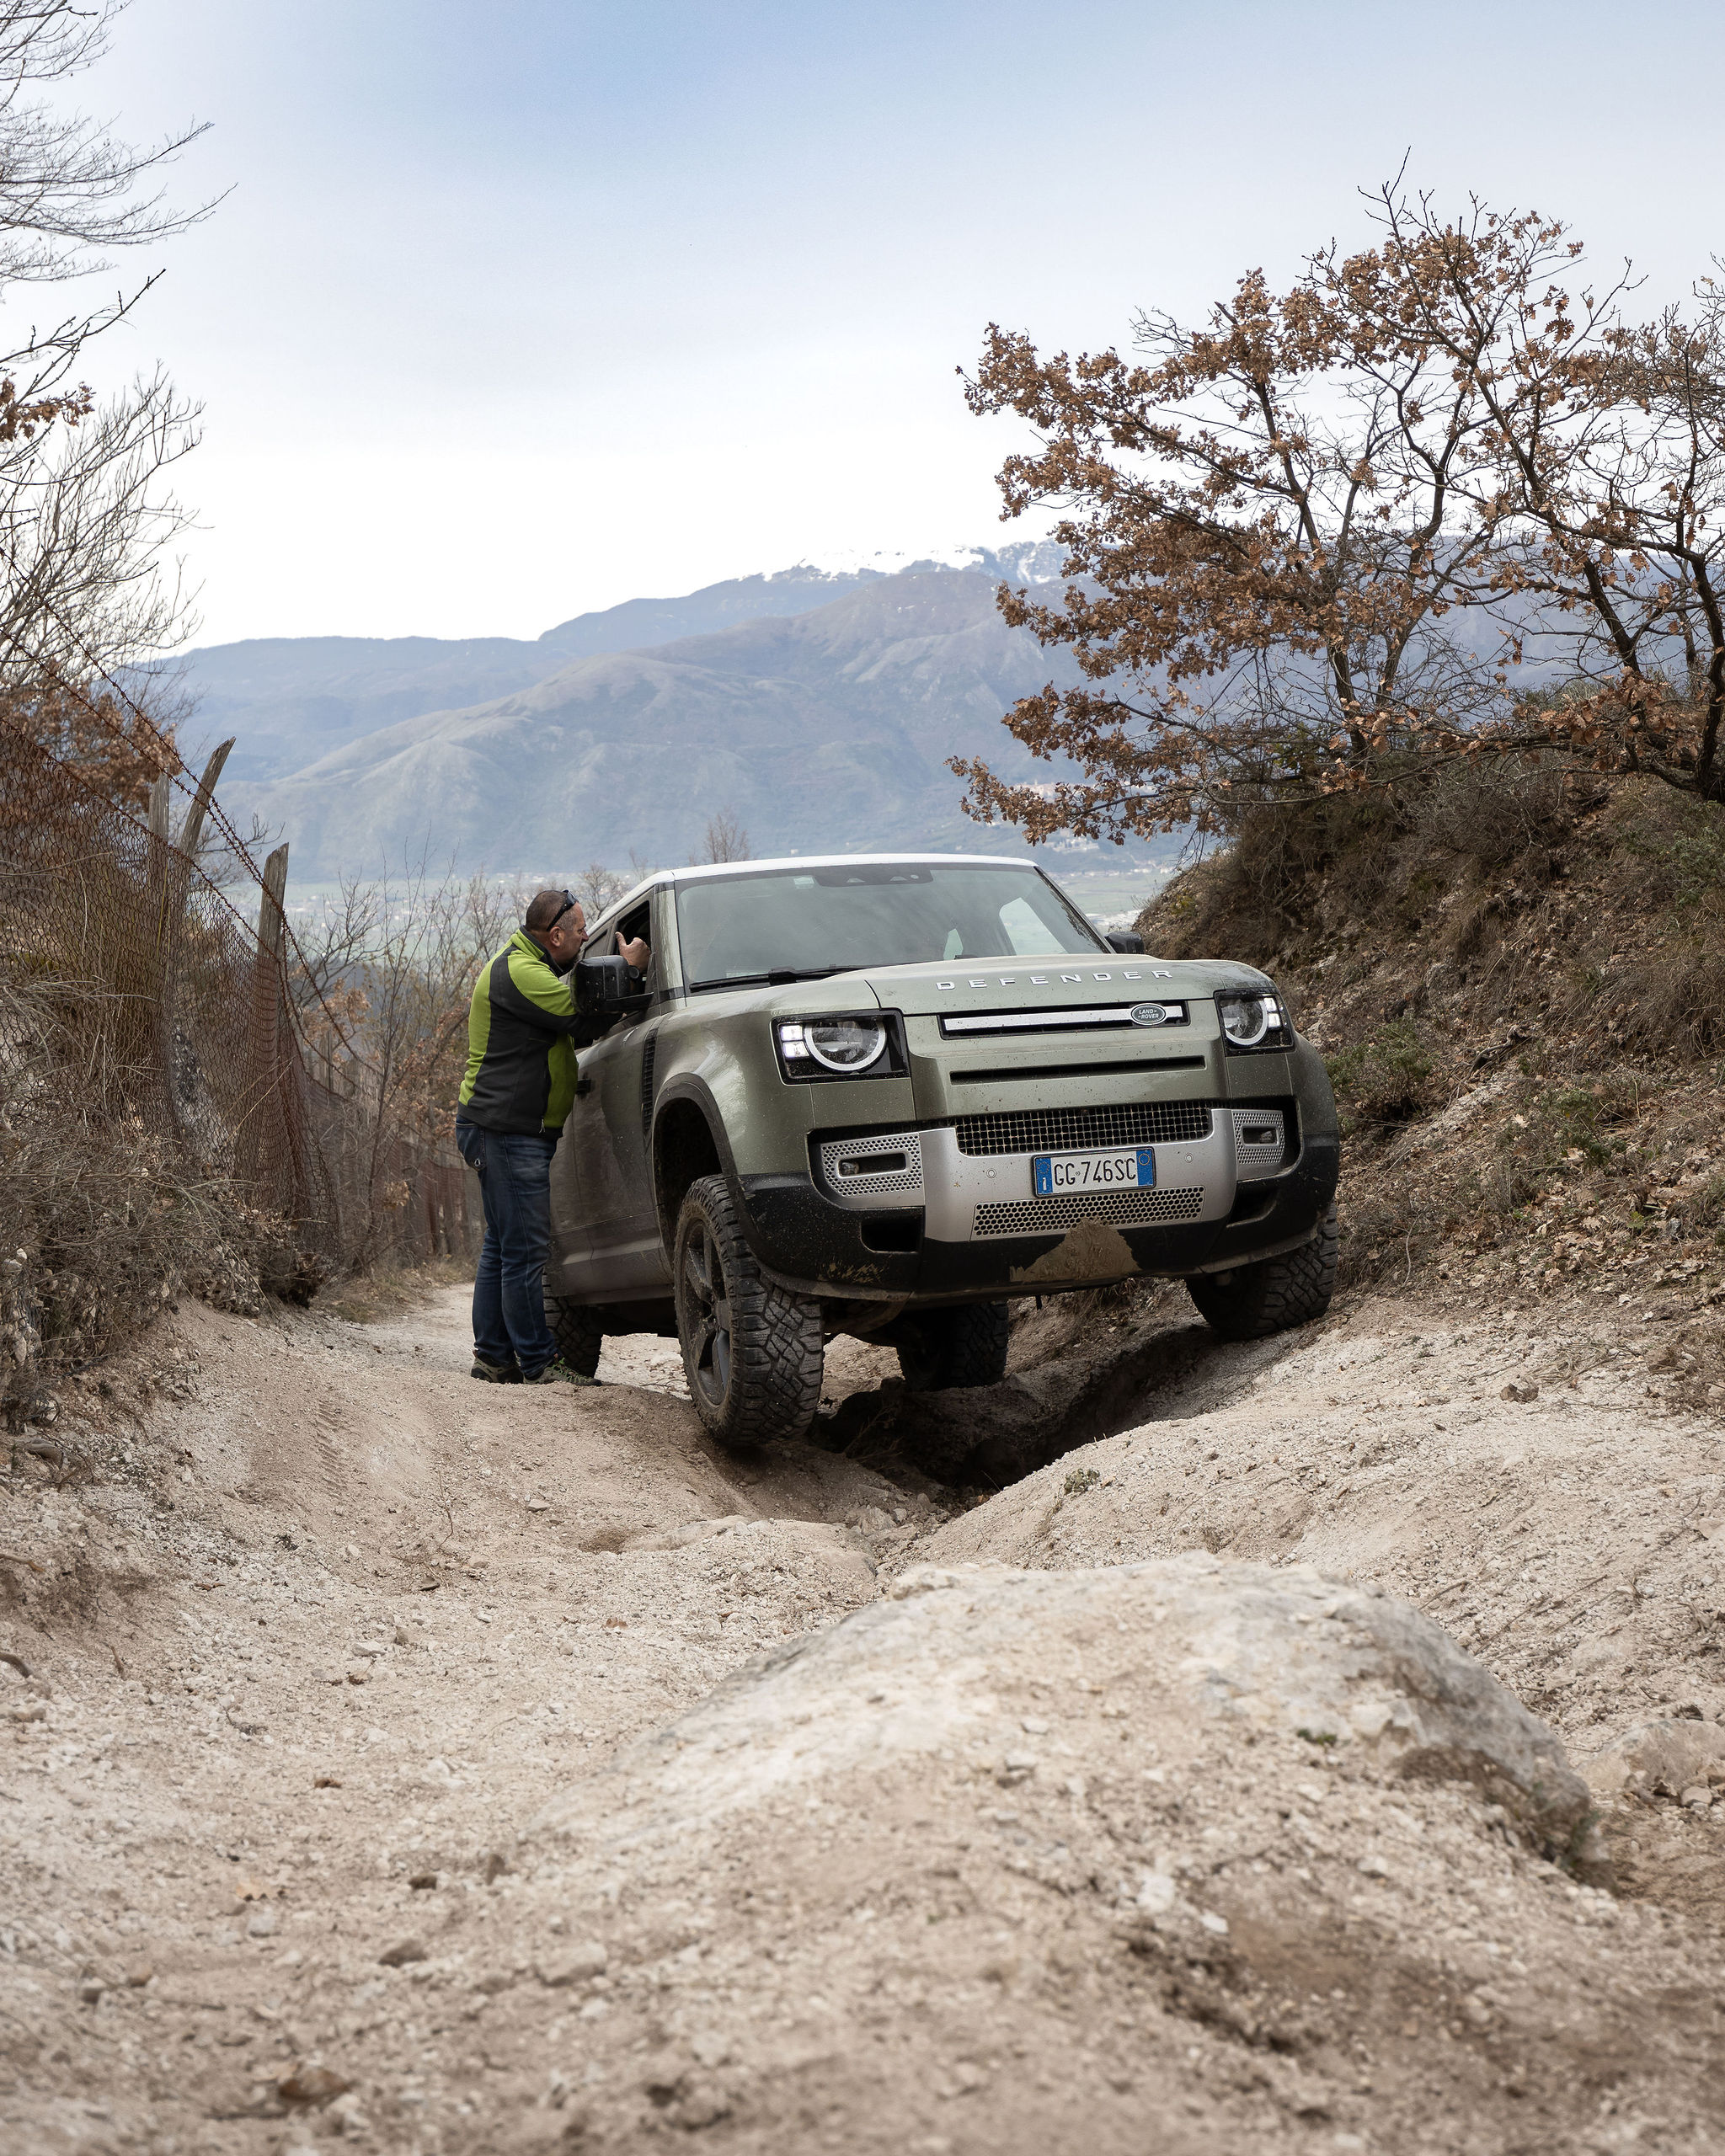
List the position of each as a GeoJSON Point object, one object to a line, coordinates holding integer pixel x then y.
{"type": "Point", "coordinates": [520, 1074]}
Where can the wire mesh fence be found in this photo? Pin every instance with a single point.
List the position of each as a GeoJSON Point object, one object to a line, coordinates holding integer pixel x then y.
{"type": "Point", "coordinates": [138, 993]}
{"type": "Point", "coordinates": [161, 1118]}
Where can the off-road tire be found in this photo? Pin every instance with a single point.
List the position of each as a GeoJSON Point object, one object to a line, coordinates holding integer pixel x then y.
{"type": "Point", "coordinates": [578, 1332]}
{"type": "Point", "coordinates": [964, 1346]}
{"type": "Point", "coordinates": [751, 1351]}
{"type": "Point", "coordinates": [1275, 1293]}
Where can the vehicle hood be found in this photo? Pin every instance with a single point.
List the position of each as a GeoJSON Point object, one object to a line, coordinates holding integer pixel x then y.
{"type": "Point", "coordinates": [930, 991]}
{"type": "Point", "coordinates": [1012, 985]}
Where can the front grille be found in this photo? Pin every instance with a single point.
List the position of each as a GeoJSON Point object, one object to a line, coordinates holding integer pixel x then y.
{"type": "Point", "coordinates": [1050, 1216]}
{"type": "Point", "coordinates": [1065, 1130]}
{"type": "Point", "coordinates": [1086, 1016]}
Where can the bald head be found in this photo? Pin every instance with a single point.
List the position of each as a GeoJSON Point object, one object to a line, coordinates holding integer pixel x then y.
{"type": "Point", "coordinates": [557, 925]}
{"type": "Point", "coordinates": [544, 907]}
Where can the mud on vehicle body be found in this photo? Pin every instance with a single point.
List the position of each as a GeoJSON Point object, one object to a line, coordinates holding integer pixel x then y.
{"type": "Point", "coordinates": [883, 1095]}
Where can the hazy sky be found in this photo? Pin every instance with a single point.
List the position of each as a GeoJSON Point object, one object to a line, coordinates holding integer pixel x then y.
{"type": "Point", "coordinates": [526, 307]}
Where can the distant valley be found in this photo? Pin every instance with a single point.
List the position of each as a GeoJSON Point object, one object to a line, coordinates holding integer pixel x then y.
{"type": "Point", "coordinates": [816, 708]}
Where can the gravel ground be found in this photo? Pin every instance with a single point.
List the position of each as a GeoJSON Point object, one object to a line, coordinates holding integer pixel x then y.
{"type": "Point", "coordinates": [313, 1630]}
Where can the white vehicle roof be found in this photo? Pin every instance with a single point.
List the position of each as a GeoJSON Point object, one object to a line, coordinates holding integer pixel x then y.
{"type": "Point", "coordinates": [701, 871]}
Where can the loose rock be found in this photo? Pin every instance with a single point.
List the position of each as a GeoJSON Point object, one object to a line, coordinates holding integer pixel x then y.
{"type": "Point", "coordinates": [312, 2084]}
{"type": "Point", "coordinates": [575, 1966]}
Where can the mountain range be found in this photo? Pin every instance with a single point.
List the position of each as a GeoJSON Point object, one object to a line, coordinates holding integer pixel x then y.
{"type": "Point", "coordinates": [816, 708]}
{"type": "Point", "coordinates": [289, 700]}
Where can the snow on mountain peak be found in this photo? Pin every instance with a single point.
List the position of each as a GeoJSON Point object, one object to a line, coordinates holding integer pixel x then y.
{"type": "Point", "coordinates": [1034, 560]}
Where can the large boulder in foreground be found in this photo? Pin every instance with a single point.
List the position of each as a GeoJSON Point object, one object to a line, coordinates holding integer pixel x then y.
{"type": "Point", "coordinates": [1183, 1854]}
{"type": "Point", "coordinates": [1261, 1650]}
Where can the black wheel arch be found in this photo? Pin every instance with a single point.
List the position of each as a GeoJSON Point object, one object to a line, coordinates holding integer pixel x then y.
{"type": "Point", "coordinates": [688, 1141]}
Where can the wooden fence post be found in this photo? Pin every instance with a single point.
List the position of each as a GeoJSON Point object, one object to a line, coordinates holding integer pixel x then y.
{"type": "Point", "coordinates": [193, 828]}
{"type": "Point", "coordinates": [172, 860]}
{"type": "Point", "coordinates": [266, 1019]}
{"type": "Point", "coordinates": [159, 911]}
{"type": "Point", "coordinates": [270, 908]}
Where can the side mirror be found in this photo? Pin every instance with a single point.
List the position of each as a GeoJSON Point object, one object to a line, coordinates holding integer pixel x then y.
{"type": "Point", "coordinates": [1126, 941]}
{"type": "Point", "coordinates": [606, 988]}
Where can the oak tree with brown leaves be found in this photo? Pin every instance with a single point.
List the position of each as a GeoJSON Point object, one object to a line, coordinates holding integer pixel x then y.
{"type": "Point", "coordinates": [1323, 537]}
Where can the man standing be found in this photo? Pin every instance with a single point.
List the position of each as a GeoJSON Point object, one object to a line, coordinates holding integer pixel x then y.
{"type": "Point", "coordinates": [517, 1093]}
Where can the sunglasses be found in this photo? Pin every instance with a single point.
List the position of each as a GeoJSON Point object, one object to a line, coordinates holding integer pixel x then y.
{"type": "Point", "coordinates": [569, 902]}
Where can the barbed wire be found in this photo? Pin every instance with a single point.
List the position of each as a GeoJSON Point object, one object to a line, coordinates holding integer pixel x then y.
{"type": "Point", "coordinates": [175, 769]}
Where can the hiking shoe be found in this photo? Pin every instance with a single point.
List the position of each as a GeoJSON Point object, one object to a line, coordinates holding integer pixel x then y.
{"type": "Point", "coordinates": [556, 1371]}
{"type": "Point", "coordinates": [494, 1373]}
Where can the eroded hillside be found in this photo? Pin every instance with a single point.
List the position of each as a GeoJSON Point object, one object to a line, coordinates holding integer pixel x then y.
{"type": "Point", "coordinates": [1517, 981]}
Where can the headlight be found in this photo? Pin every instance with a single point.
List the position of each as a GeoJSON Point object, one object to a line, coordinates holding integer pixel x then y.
{"type": "Point", "coordinates": [1254, 1021]}
{"type": "Point", "coordinates": [846, 1047]}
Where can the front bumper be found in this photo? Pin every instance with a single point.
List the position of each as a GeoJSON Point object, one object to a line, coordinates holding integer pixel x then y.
{"type": "Point", "coordinates": [979, 1234]}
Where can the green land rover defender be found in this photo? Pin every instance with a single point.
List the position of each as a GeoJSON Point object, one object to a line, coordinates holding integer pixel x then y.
{"type": "Point", "coordinates": [882, 1095]}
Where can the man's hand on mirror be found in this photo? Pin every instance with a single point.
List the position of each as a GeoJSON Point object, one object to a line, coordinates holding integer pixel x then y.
{"type": "Point", "coordinates": [637, 952]}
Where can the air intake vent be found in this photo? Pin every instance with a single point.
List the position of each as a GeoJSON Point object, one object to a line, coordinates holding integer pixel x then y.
{"type": "Point", "coordinates": [1259, 1142]}
{"type": "Point", "coordinates": [648, 1055]}
{"type": "Point", "coordinates": [1053, 1216]}
{"type": "Point", "coordinates": [890, 1164]}
{"type": "Point", "coordinates": [1065, 1130]}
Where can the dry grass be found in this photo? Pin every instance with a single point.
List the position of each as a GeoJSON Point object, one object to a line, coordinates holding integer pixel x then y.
{"type": "Point", "coordinates": [376, 1297]}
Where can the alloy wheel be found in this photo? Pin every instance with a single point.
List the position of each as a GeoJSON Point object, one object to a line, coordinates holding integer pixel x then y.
{"type": "Point", "coordinates": [708, 1305]}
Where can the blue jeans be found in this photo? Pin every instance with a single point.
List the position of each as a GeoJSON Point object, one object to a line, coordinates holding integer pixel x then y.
{"type": "Point", "coordinates": [508, 1290]}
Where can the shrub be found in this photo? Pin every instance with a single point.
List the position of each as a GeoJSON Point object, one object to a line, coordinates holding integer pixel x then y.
{"type": "Point", "coordinates": [1387, 1077]}
{"type": "Point", "coordinates": [1564, 1127]}
{"type": "Point", "coordinates": [1494, 813]}
{"type": "Point", "coordinates": [1676, 1004]}
{"type": "Point", "coordinates": [1683, 866]}
{"type": "Point", "coordinates": [1584, 1118]}
{"type": "Point", "coordinates": [101, 1219]}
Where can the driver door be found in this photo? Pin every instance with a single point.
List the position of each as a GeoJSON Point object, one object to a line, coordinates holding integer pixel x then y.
{"type": "Point", "coordinates": [608, 1135]}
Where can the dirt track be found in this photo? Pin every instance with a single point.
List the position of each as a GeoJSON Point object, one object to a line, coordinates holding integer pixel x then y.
{"type": "Point", "coordinates": [318, 1628]}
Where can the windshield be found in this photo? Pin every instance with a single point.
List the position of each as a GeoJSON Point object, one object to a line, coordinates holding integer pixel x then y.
{"type": "Point", "coordinates": [871, 913]}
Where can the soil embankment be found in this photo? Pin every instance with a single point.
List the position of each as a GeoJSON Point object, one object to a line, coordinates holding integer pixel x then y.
{"type": "Point", "coordinates": [449, 1770]}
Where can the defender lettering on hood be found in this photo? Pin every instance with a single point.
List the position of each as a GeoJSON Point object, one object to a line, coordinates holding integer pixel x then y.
{"type": "Point", "coordinates": [1045, 981]}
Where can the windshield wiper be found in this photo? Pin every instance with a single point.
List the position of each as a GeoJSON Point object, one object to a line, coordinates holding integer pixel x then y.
{"type": "Point", "coordinates": [779, 977]}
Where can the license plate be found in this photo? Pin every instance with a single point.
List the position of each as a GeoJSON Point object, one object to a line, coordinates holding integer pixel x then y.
{"type": "Point", "coordinates": [1056, 1175]}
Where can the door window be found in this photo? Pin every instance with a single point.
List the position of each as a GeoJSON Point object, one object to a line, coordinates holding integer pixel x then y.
{"type": "Point", "coordinates": [637, 921]}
